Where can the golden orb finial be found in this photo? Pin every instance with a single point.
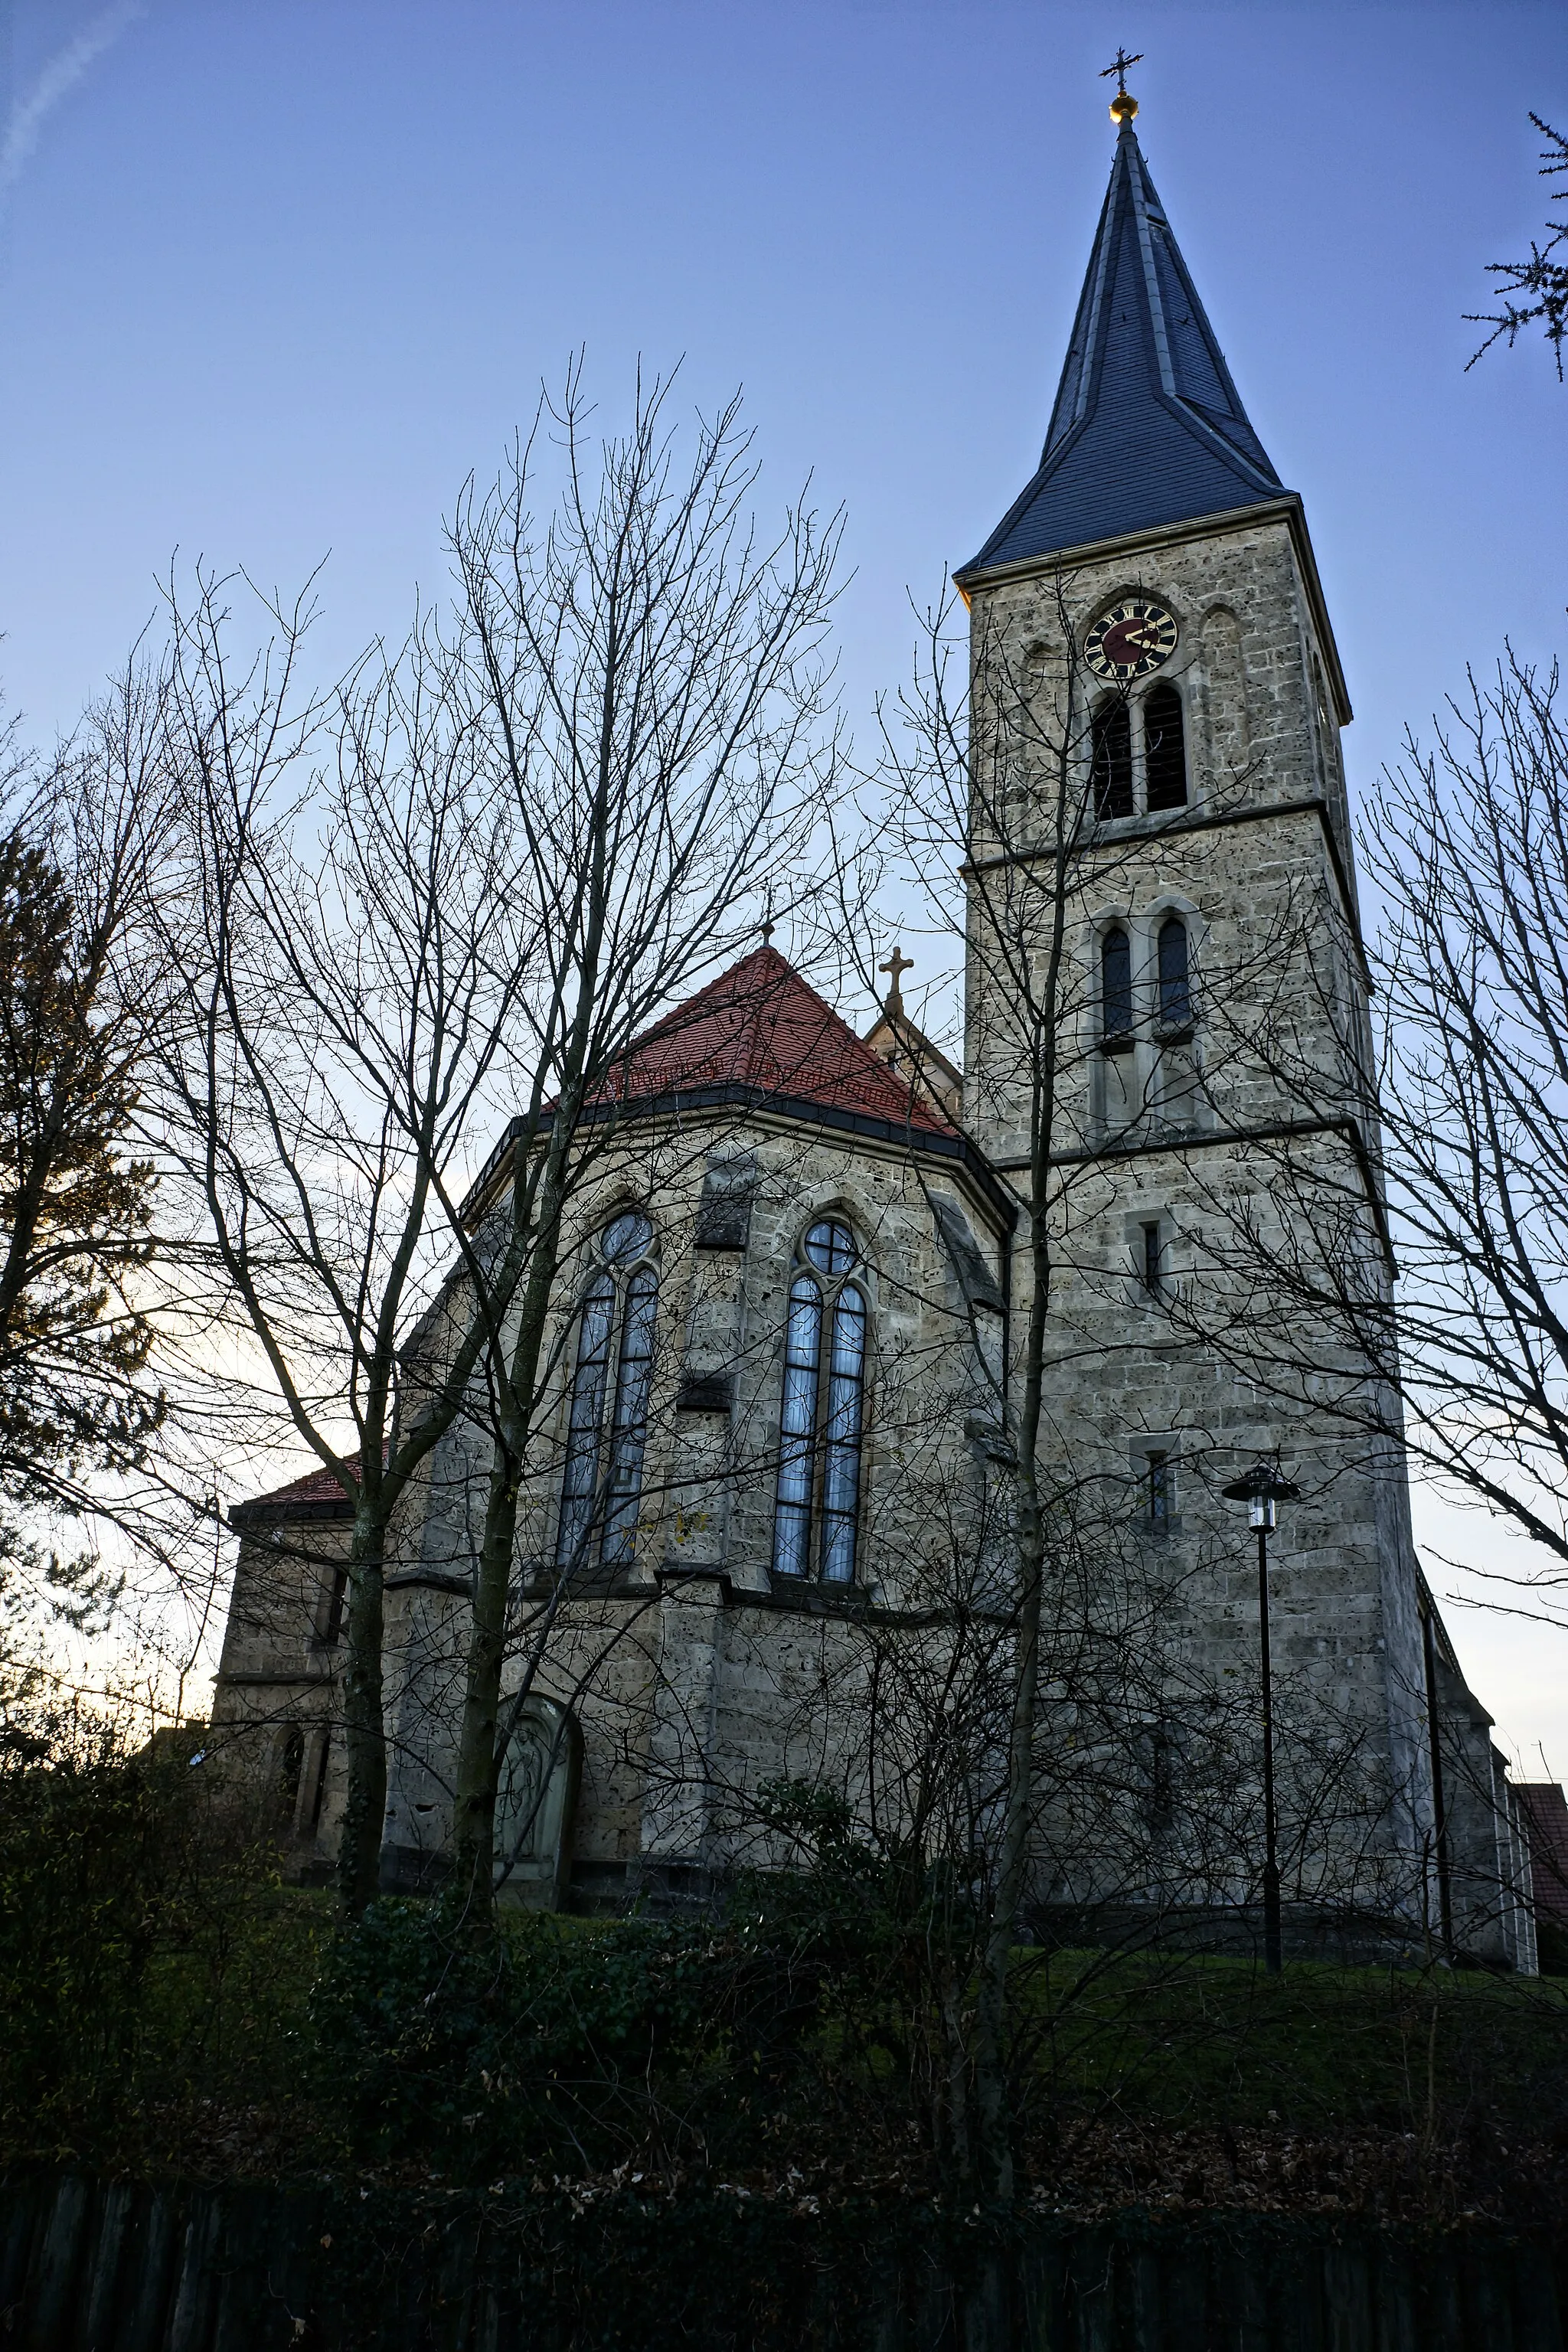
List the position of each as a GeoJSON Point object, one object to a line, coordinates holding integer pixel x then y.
{"type": "Point", "coordinates": [1123, 105]}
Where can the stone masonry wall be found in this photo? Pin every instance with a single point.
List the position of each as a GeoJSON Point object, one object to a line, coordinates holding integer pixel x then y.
{"type": "Point", "coordinates": [1154, 1136]}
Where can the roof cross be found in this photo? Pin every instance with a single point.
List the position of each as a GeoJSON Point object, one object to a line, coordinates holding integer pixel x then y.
{"type": "Point", "coordinates": [1123, 105]}
{"type": "Point", "coordinates": [897, 964]}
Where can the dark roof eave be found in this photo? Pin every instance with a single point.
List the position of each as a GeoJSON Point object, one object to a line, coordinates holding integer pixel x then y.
{"type": "Point", "coordinates": [269, 1510]}
{"type": "Point", "coordinates": [931, 1142]}
{"type": "Point", "coordinates": [1285, 507]}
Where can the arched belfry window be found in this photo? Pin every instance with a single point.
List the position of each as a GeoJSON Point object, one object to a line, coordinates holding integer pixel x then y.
{"type": "Point", "coordinates": [1174, 974]}
{"type": "Point", "coordinates": [1115, 986]}
{"type": "Point", "coordinates": [1110, 758]}
{"type": "Point", "coordinates": [1164, 748]}
{"type": "Point", "coordinates": [823, 1415]}
{"type": "Point", "coordinates": [607, 1430]}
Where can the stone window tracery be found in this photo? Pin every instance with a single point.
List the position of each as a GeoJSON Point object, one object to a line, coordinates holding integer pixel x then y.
{"type": "Point", "coordinates": [607, 1425]}
{"type": "Point", "coordinates": [822, 1416]}
{"type": "Point", "coordinates": [1138, 753]}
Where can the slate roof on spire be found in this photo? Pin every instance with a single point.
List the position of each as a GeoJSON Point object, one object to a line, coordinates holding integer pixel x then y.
{"type": "Point", "coordinates": [1148, 429]}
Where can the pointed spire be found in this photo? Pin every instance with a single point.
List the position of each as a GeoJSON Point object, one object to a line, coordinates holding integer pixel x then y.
{"type": "Point", "coordinates": [1147, 427]}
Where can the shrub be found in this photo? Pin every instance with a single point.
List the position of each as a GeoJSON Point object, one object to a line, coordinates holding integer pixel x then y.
{"type": "Point", "coordinates": [90, 1840]}
{"type": "Point", "coordinates": [529, 2042]}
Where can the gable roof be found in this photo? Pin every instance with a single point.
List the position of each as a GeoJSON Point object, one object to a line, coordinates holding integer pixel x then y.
{"type": "Point", "coordinates": [759, 1025]}
{"type": "Point", "coordinates": [760, 1039]}
{"type": "Point", "coordinates": [315, 1496]}
{"type": "Point", "coordinates": [1546, 1823]}
{"type": "Point", "coordinates": [1148, 429]}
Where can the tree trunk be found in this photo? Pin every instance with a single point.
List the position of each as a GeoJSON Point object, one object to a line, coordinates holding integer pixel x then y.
{"type": "Point", "coordinates": [991, 2061]}
{"type": "Point", "coordinates": [517, 1375]}
{"type": "Point", "coordinates": [364, 1731]}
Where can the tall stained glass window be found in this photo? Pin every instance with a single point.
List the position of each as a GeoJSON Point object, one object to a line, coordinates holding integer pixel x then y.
{"type": "Point", "coordinates": [606, 1434]}
{"type": "Point", "coordinates": [821, 1420]}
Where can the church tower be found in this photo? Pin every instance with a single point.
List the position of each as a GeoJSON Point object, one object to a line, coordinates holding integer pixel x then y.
{"type": "Point", "coordinates": [1164, 954]}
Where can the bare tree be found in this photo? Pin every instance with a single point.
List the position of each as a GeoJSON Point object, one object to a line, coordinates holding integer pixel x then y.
{"type": "Point", "coordinates": [650, 675]}
{"type": "Point", "coordinates": [457, 884]}
{"type": "Point", "coordinates": [1462, 1364]}
{"type": "Point", "coordinates": [1015, 779]}
{"type": "Point", "coordinates": [351, 942]}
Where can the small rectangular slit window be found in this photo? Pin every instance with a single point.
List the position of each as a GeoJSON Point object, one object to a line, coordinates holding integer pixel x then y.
{"type": "Point", "coordinates": [1160, 1490]}
{"type": "Point", "coordinates": [1153, 1272]}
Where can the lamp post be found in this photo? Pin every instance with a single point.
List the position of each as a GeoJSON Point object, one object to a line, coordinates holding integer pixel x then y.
{"type": "Point", "coordinates": [1263, 1490]}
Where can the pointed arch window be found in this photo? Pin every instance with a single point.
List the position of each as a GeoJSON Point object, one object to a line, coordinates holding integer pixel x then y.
{"type": "Point", "coordinates": [1115, 987]}
{"type": "Point", "coordinates": [1110, 758]}
{"type": "Point", "coordinates": [1164, 748]}
{"type": "Point", "coordinates": [821, 1420]}
{"type": "Point", "coordinates": [1175, 975]}
{"type": "Point", "coordinates": [606, 1433]}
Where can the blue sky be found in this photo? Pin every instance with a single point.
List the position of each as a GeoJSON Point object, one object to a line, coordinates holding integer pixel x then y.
{"type": "Point", "coordinates": [276, 274]}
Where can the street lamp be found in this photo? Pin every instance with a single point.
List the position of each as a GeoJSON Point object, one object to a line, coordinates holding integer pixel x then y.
{"type": "Point", "coordinates": [1263, 1490]}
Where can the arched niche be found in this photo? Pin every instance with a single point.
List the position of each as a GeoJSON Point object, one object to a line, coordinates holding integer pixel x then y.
{"type": "Point", "coordinates": [1225, 674]}
{"type": "Point", "coordinates": [536, 1798]}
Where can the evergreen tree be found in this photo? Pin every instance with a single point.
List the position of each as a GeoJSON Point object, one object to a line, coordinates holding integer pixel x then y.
{"type": "Point", "coordinates": [74, 1343]}
{"type": "Point", "coordinates": [1542, 279]}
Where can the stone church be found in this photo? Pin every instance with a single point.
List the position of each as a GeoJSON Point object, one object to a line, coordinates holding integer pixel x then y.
{"type": "Point", "coordinates": [793, 1307]}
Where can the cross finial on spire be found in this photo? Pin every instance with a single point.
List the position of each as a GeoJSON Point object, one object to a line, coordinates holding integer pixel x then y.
{"type": "Point", "coordinates": [897, 964]}
{"type": "Point", "coordinates": [1123, 105]}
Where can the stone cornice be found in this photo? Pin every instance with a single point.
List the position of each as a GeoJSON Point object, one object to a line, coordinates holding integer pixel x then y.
{"type": "Point", "coordinates": [1159, 829]}
{"type": "Point", "coordinates": [1287, 509]}
{"type": "Point", "coordinates": [950, 1152]}
{"type": "Point", "coordinates": [1179, 1144]}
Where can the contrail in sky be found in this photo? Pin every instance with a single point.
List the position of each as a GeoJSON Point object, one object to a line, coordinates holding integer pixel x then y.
{"type": "Point", "coordinates": [62, 72]}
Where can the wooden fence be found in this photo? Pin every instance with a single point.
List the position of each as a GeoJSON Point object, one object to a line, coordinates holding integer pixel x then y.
{"type": "Point", "coordinates": [92, 2266]}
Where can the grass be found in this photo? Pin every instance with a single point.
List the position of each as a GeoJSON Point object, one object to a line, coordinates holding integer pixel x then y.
{"type": "Point", "coordinates": [1175, 2040]}
{"type": "Point", "coordinates": [223, 2070]}
{"type": "Point", "coordinates": [1218, 2042]}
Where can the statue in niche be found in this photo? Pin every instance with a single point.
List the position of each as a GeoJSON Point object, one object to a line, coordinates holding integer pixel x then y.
{"type": "Point", "coordinates": [535, 1798]}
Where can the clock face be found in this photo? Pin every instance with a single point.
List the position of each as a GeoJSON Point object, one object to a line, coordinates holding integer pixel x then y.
{"type": "Point", "coordinates": [1129, 639]}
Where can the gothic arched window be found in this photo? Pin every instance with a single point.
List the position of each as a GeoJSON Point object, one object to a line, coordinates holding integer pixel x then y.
{"type": "Point", "coordinates": [607, 1430]}
{"type": "Point", "coordinates": [1111, 759]}
{"type": "Point", "coordinates": [1175, 976]}
{"type": "Point", "coordinates": [1116, 986]}
{"type": "Point", "coordinates": [1164, 749]}
{"type": "Point", "coordinates": [824, 1411]}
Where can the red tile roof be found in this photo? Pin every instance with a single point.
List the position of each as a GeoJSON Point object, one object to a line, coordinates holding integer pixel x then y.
{"type": "Point", "coordinates": [1545, 1813]}
{"type": "Point", "coordinates": [315, 1487]}
{"type": "Point", "coordinates": [760, 1024]}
